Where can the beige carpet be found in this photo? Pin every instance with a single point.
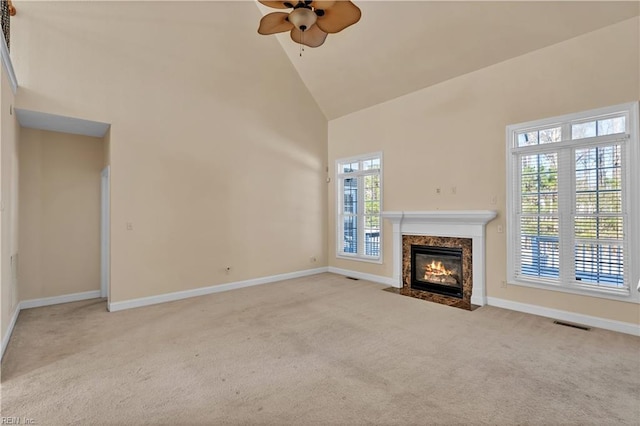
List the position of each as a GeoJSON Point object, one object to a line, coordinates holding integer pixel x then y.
{"type": "Point", "coordinates": [321, 350]}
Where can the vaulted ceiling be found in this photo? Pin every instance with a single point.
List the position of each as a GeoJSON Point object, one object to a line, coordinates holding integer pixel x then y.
{"type": "Point", "coordinates": [399, 47]}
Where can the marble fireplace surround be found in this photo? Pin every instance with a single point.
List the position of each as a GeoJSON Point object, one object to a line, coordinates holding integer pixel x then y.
{"type": "Point", "coordinates": [444, 223]}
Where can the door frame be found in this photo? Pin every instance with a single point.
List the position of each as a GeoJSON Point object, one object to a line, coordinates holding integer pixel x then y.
{"type": "Point", "coordinates": [105, 258]}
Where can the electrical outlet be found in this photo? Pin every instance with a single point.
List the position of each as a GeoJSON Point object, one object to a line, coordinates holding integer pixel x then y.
{"type": "Point", "coordinates": [438, 190]}
{"type": "Point", "coordinates": [500, 229]}
{"type": "Point", "coordinates": [503, 284]}
{"type": "Point", "coordinates": [454, 190]}
{"type": "Point", "coordinates": [129, 226]}
{"type": "Point", "coordinates": [313, 259]}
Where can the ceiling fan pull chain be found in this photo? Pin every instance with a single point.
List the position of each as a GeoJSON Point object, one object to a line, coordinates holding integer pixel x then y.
{"type": "Point", "coordinates": [301, 43]}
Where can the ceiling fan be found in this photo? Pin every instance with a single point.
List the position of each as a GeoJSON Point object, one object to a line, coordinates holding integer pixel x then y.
{"type": "Point", "coordinates": [310, 20]}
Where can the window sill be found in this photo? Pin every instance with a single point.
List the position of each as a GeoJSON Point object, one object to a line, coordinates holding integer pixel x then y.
{"type": "Point", "coordinates": [377, 261]}
{"type": "Point", "coordinates": [630, 297]}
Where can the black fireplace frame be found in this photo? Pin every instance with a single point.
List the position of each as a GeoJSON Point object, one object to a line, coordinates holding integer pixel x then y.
{"type": "Point", "coordinates": [445, 290]}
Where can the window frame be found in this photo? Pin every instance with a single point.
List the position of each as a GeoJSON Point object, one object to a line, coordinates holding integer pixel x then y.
{"type": "Point", "coordinates": [339, 185]}
{"type": "Point", "coordinates": [630, 197]}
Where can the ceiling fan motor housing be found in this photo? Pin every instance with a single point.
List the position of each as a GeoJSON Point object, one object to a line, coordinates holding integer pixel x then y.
{"type": "Point", "coordinates": [303, 18]}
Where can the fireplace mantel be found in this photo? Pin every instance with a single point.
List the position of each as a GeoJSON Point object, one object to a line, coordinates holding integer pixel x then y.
{"type": "Point", "coordinates": [444, 223]}
{"type": "Point", "coordinates": [470, 217]}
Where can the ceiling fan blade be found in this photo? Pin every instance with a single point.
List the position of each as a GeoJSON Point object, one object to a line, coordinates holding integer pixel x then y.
{"type": "Point", "coordinates": [313, 37]}
{"type": "Point", "coordinates": [273, 23]}
{"type": "Point", "coordinates": [342, 14]}
{"type": "Point", "coordinates": [322, 4]}
{"type": "Point", "coordinates": [279, 4]}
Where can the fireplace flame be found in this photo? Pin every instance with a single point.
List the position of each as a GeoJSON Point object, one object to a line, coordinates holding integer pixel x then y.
{"type": "Point", "coordinates": [437, 269]}
{"type": "Point", "coordinates": [436, 272]}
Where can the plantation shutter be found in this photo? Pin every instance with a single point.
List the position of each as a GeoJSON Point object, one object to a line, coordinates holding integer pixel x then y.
{"type": "Point", "coordinates": [569, 196]}
{"type": "Point", "coordinates": [599, 215]}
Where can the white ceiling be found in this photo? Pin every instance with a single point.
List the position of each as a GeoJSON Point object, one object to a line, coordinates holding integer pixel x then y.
{"type": "Point", "coordinates": [399, 47]}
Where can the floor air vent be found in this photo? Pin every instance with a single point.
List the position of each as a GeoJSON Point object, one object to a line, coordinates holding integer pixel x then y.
{"type": "Point", "coordinates": [353, 278]}
{"type": "Point", "coordinates": [568, 324]}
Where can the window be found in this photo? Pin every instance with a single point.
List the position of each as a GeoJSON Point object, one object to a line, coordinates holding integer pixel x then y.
{"type": "Point", "coordinates": [359, 206]}
{"type": "Point", "coordinates": [573, 202]}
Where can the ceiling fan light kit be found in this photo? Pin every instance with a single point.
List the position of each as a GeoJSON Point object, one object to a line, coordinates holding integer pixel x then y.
{"type": "Point", "coordinates": [302, 18]}
{"type": "Point", "coordinates": [310, 20]}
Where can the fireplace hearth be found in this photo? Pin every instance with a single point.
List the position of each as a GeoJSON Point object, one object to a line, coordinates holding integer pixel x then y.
{"type": "Point", "coordinates": [437, 269]}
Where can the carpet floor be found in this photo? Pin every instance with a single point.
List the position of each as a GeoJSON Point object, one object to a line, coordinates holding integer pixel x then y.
{"type": "Point", "coordinates": [320, 350]}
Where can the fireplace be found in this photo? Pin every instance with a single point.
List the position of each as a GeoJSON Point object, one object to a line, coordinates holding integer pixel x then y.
{"type": "Point", "coordinates": [437, 269]}
{"type": "Point", "coordinates": [452, 229]}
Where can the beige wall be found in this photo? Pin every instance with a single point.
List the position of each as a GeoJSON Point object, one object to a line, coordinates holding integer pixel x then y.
{"type": "Point", "coordinates": [9, 133]}
{"type": "Point", "coordinates": [217, 150]}
{"type": "Point", "coordinates": [59, 213]}
{"type": "Point", "coordinates": [453, 134]}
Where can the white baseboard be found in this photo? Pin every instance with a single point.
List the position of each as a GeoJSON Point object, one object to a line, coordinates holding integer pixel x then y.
{"type": "Point", "coordinates": [179, 295]}
{"type": "Point", "coordinates": [591, 321]}
{"type": "Point", "coordinates": [12, 323]}
{"type": "Point", "coordinates": [478, 300]}
{"type": "Point", "coordinates": [364, 276]}
{"type": "Point", "coordinates": [56, 300]}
